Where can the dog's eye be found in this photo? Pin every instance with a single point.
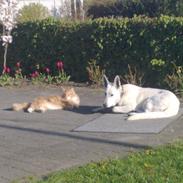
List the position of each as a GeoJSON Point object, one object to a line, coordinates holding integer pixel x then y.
{"type": "Point", "coordinates": [112, 95]}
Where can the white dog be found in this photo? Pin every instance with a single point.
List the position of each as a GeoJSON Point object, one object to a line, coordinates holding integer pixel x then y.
{"type": "Point", "coordinates": [140, 103]}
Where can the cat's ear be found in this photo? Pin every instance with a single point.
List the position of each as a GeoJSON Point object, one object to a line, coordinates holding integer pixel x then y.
{"type": "Point", "coordinates": [63, 89]}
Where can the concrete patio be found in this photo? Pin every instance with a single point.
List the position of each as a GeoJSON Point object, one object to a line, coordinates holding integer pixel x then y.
{"type": "Point", "coordinates": [35, 144]}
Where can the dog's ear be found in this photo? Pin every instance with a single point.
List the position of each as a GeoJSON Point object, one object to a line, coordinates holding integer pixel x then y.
{"type": "Point", "coordinates": [117, 81]}
{"type": "Point", "coordinates": [106, 81]}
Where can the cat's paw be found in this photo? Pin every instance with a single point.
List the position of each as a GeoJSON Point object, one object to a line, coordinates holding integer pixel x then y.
{"type": "Point", "coordinates": [30, 110]}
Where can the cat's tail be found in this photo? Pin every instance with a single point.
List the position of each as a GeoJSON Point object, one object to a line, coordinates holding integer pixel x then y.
{"type": "Point", "coordinates": [20, 106]}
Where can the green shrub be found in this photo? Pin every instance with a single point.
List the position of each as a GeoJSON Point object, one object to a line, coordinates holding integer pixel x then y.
{"type": "Point", "coordinates": [113, 43]}
{"type": "Point", "coordinates": [32, 12]}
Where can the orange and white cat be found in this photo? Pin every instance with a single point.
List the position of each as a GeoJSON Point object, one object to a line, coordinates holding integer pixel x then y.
{"type": "Point", "coordinates": [68, 100]}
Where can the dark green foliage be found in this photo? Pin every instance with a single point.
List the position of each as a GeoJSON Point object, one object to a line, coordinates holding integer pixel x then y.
{"type": "Point", "coordinates": [129, 8]}
{"type": "Point", "coordinates": [113, 43]}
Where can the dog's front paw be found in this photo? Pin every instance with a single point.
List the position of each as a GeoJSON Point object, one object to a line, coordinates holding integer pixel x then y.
{"type": "Point", "coordinates": [131, 118]}
{"type": "Point", "coordinates": [116, 109]}
{"type": "Point", "coordinates": [131, 113]}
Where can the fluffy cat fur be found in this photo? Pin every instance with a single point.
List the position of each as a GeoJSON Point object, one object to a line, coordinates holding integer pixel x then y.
{"type": "Point", "coordinates": [68, 100]}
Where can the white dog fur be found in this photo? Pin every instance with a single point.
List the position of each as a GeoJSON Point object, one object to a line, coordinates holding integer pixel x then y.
{"type": "Point", "coordinates": [139, 102]}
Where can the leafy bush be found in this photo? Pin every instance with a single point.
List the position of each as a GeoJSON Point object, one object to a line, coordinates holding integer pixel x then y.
{"type": "Point", "coordinates": [32, 12]}
{"type": "Point", "coordinates": [140, 42]}
{"type": "Point", "coordinates": [129, 8]}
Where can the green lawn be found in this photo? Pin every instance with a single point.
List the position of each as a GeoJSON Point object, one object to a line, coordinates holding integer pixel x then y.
{"type": "Point", "coordinates": [164, 164]}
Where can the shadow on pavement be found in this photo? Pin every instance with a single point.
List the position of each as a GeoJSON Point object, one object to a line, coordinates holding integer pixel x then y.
{"type": "Point", "coordinates": [84, 109]}
{"type": "Point", "coordinates": [75, 136]}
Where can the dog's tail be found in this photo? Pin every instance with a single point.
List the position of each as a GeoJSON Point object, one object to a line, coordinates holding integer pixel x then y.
{"type": "Point", "coordinates": [152, 115]}
{"type": "Point", "coordinates": [169, 112]}
{"type": "Point", "coordinates": [20, 106]}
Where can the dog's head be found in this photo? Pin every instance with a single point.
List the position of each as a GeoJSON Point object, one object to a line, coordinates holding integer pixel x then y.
{"type": "Point", "coordinates": [112, 92]}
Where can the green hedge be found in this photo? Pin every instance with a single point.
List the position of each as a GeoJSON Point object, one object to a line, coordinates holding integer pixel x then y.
{"type": "Point", "coordinates": [114, 43]}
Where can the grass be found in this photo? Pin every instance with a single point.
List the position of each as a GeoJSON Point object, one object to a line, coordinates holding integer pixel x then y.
{"type": "Point", "coordinates": [161, 165]}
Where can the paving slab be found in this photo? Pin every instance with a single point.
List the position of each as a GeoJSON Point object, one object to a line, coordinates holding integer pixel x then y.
{"type": "Point", "coordinates": [37, 144]}
{"type": "Point", "coordinates": [117, 123]}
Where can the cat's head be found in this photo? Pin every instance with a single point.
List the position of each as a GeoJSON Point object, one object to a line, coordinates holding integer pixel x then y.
{"type": "Point", "coordinates": [71, 96]}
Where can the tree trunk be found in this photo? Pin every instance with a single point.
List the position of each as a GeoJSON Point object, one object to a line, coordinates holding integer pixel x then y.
{"type": "Point", "coordinates": [74, 9]}
{"type": "Point", "coordinates": [81, 10]}
{"type": "Point", "coordinates": [5, 58]}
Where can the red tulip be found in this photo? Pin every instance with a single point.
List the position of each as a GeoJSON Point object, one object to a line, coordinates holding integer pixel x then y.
{"type": "Point", "coordinates": [34, 74]}
{"type": "Point", "coordinates": [60, 65]}
{"type": "Point", "coordinates": [18, 64]}
{"type": "Point", "coordinates": [47, 70]}
{"type": "Point", "coordinates": [6, 69]}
